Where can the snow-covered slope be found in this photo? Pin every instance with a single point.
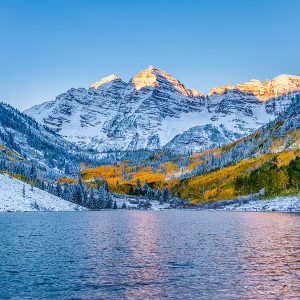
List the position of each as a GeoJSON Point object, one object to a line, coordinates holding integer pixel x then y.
{"type": "Point", "coordinates": [280, 204]}
{"type": "Point", "coordinates": [154, 110]}
{"type": "Point", "coordinates": [13, 198]}
{"type": "Point", "coordinates": [79, 114]}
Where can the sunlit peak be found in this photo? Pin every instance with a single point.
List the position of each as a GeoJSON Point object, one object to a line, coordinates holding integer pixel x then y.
{"type": "Point", "coordinates": [156, 77]}
{"type": "Point", "coordinates": [145, 78]}
{"type": "Point", "coordinates": [104, 80]}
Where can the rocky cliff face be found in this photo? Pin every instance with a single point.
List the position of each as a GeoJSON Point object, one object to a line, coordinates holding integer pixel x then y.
{"type": "Point", "coordinates": [154, 110]}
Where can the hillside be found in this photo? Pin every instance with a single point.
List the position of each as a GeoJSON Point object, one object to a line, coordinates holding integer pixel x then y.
{"type": "Point", "coordinates": [36, 155]}
{"type": "Point", "coordinates": [16, 195]}
{"type": "Point", "coordinates": [280, 204]}
{"type": "Point", "coordinates": [24, 141]}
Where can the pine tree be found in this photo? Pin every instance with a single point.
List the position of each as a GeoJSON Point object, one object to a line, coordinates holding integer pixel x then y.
{"type": "Point", "coordinates": [77, 196]}
{"type": "Point", "coordinates": [59, 191]}
{"type": "Point", "coordinates": [92, 200]}
{"type": "Point", "coordinates": [146, 189]}
{"type": "Point", "coordinates": [118, 185]}
{"type": "Point", "coordinates": [166, 195]}
{"type": "Point", "coordinates": [109, 201]}
{"type": "Point", "coordinates": [23, 191]}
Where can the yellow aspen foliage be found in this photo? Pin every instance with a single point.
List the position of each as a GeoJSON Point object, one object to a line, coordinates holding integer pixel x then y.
{"type": "Point", "coordinates": [66, 179]}
{"type": "Point", "coordinates": [284, 158]}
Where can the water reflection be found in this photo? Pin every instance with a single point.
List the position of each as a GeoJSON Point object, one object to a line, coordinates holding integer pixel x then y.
{"type": "Point", "coordinates": [270, 255]}
{"type": "Point", "coordinates": [144, 276]}
{"type": "Point", "coordinates": [150, 255]}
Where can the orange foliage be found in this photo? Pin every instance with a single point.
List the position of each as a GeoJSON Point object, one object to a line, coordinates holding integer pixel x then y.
{"type": "Point", "coordinates": [104, 171]}
{"type": "Point", "coordinates": [66, 179]}
{"type": "Point", "coordinates": [284, 158]}
{"type": "Point", "coordinates": [170, 167]}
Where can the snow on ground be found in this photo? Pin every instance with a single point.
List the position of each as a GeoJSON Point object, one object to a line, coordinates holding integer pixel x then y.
{"type": "Point", "coordinates": [281, 204]}
{"type": "Point", "coordinates": [12, 198]}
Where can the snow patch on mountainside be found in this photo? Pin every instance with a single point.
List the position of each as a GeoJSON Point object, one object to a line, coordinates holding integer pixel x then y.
{"type": "Point", "coordinates": [173, 126]}
{"type": "Point", "coordinates": [13, 198]}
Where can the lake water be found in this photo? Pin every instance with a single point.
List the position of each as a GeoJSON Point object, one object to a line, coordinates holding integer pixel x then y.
{"type": "Point", "coordinates": [150, 255]}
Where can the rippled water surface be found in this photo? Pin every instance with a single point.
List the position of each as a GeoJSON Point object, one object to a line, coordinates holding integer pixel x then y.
{"type": "Point", "coordinates": [150, 255]}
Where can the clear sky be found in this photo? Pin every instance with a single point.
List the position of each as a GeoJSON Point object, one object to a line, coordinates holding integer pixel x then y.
{"type": "Point", "coordinates": [49, 46]}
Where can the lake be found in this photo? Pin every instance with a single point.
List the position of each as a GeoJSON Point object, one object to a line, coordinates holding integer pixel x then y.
{"type": "Point", "coordinates": [150, 255]}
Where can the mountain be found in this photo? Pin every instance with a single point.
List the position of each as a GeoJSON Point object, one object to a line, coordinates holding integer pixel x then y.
{"type": "Point", "coordinates": [276, 94]}
{"type": "Point", "coordinates": [202, 137]}
{"type": "Point", "coordinates": [154, 110]}
{"type": "Point", "coordinates": [113, 114]}
{"type": "Point", "coordinates": [265, 163]}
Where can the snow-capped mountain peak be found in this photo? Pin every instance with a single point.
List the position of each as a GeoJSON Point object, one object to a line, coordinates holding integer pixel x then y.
{"type": "Point", "coordinates": [107, 79]}
{"type": "Point", "coordinates": [145, 78]}
{"type": "Point", "coordinates": [285, 78]}
{"type": "Point", "coordinates": [220, 89]}
{"type": "Point", "coordinates": [157, 78]}
{"type": "Point", "coordinates": [196, 93]}
{"type": "Point", "coordinates": [263, 91]}
{"type": "Point", "coordinates": [284, 83]}
{"type": "Point", "coordinates": [155, 110]}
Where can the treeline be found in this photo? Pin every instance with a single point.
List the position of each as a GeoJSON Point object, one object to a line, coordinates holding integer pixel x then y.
{"type": "Point", "coordinates": [162, 196]}
{"type": "Point", "coordinates": [271, 180]}
{"type": "Point", "coordinates": [94, 198]}
{"type": "Point", "coordinates": [158, 194]}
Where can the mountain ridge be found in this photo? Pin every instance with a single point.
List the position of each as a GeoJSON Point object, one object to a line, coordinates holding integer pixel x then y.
{"type": "Point", "coordinates": [154, 108]}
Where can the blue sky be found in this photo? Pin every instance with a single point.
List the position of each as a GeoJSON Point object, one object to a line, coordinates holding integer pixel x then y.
{"type": "Point", "coordinates": [50, 46]}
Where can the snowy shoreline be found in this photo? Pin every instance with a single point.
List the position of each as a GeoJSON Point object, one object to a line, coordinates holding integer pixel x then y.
{"type": "Point", "coordinates": [277, 204]}
{"type": "Point", "coordinates": [17, 196]}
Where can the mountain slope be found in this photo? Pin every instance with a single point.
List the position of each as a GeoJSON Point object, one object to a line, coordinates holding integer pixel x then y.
{"type": "Point", "coordinates": [154, 110]}
{"type": "Point", "coordinates": [16, 195]}
{"type": "Point", "coordinates": [268, 161]}
{"type": "Point", "coordinates": [23, 139]}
